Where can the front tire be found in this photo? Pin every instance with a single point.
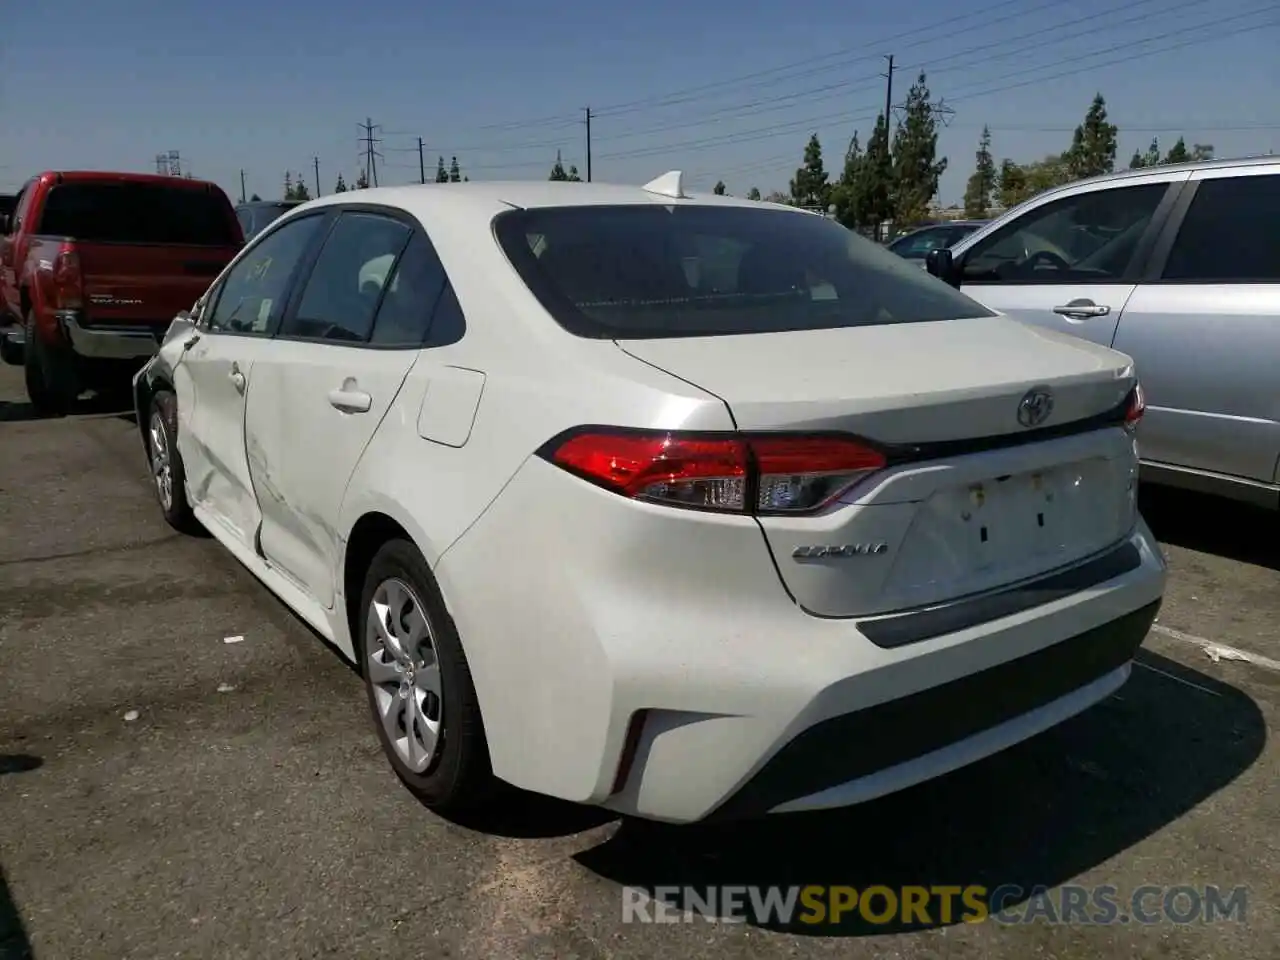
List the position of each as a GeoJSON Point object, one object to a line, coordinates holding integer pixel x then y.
{"type": "Point", "coordinates": [419, 685]}
{"type": "Point", "coordinates": [168, 476]}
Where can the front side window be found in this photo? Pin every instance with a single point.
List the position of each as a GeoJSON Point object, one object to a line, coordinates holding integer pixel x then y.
{"type": "Point", "coordinates": [253, 291]}
{"type": "Point", "coordinates": [1229, 234]}
{"type": "Point", "coordinates": [345, 285]}
{"type": "Point", "coordinates": [917, 245]}
{"type": "Point", "coordinates": [652, 270]}
{"type": "Point", "coordinates": [1085, 238]}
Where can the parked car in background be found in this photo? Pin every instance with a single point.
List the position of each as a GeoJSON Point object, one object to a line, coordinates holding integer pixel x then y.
{"type": "Point", "coordinates": [7, 203]}
{"type": "Point", "coordinates": [93, 267]}
{"type": "Point", "coordinates": [1179, 267]}
{"type": "Point", "coordinates": [255, 215]}
{"type": "Point", "coordinates": [917, 244]}
{"type": "Point", "coordinates": [686, 506]}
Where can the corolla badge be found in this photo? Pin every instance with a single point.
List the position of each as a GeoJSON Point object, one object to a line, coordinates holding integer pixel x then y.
{"type": "Point", "coordinates": [821, 551]}
{"type": "Point", "coordinates": [1035, 407]}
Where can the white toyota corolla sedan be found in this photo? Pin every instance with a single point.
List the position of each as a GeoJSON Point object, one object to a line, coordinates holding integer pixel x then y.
{"type": "Point", "coordinates": [687, 506]}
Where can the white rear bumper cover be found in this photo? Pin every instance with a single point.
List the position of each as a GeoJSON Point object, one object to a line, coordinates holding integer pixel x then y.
{"type": "Point", "coordinates": [579, 609]}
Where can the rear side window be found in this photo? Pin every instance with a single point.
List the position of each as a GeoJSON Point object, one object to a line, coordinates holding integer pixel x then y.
{"type": "Point", "coordinates": [139, 213]}
{"type": "Point", "coordinates": [1229, 234]}
{"type": "Point", "coordinates": [652, 270]}
{"type": "Point", "coordinates": [346, 284]}
{"type": "Point", "coordinates": [406, 310]}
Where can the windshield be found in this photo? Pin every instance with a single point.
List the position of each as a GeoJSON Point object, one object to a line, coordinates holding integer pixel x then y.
{"type": "Point", "coordinates": [916, 246]}
{"type": "Point", "coordinates": [647, 270]}
{"type": "Point", "coordinates": [139, 213]}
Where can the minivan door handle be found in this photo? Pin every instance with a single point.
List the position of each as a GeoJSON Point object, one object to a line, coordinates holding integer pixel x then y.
{"type": "Point", "coordinates": [236, 377]}
{"type": "Point", "coordinates": [350, 400]}
{"type": "Point", "coordinates": [1080, 309]}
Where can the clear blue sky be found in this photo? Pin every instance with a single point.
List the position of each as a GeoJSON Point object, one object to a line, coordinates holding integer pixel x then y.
{"type": "Point", "coordinates": [719, 90]}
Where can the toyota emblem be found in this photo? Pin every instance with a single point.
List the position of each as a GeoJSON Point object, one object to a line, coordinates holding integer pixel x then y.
{"type": "Point", "coordinates": [1035, 407]}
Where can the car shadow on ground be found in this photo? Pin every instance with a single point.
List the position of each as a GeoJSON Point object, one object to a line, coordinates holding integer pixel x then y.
{"type": "Point", "coordinates": [1036, 815]}
{"type": "Point", "coordinates": [92, 405]}
{"type": "Point", "coordinates": [1224, 528]}
{"type": "Point", "coordinates": [14, 944]}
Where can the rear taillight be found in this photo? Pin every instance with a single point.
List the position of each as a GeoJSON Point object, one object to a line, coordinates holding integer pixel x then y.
{"type": "Point", "coordinates": [1135, 407]}
{"type": "Point", "coordinates": [68, 282]}
{"type": "Point", "coordinates": [731, 473]}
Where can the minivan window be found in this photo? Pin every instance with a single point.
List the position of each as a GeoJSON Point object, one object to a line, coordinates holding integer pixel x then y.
{"type": "Point", "coordinates": [1229, 234]}
{"type": "Point", "coordinates": [1088, 237]}
{"type": "Point", "coordinates": [134, 212]}
{"type": "Point", "coordinates": [652, 270]}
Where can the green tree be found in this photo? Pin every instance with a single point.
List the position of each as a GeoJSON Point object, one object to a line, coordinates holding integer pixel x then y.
{"type": "Point", "coordinates": [753, 193]}
{"type": "Point", "coordinates": [981, 187]}
{"type": "Point", "coordinates": [1149, 159]}
{"type": "Point", "coordinates": [573, 175]}
{"type": "Point", "coordinates": [558, 171]}
{"type": "Point", "coordinates": [873, 184]}
{"type": "Point", "coordinates": [1178, 152]}
{"type": "Point", "coordinates": [442, 175]}
{"type": "Point", "coordinates": [719, 188]}
{"type": "Point", "coordinates": [845, 195]}
{"type": "Point", "coordinates": [455, 172]}
{"type": "Point", "coordinates": [777, 196]}
{"type": "Point", "coordinates": [1202, 151]}
{"type": "Point", "coordinates": [341, 186]}
{"type": "Point", "coordinates": [810, 187]}
{"type": "Point", "coordinates": [255, 198]}
{"type": "Point", "coordinates": [362, 181]}
{"type": "Point", "coordinates": [916, 165]}
{"type": "Point", "coordinates": [1093, 146]}
{"type": "Point", "coordinates": [300, 191]}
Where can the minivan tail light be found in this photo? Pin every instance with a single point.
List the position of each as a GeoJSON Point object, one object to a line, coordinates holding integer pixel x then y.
{"type": "Point", "coordinates": [1135, 407]}
{"type": "Point", "coordinates": [728, 473]}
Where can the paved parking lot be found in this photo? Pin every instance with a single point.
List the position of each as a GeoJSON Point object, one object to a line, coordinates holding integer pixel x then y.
{"type": "Point", "coordinates": [164, 793]}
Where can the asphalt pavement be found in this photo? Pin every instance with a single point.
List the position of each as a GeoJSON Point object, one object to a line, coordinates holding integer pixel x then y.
{"type": "Point", "coordinates": [165, 793]}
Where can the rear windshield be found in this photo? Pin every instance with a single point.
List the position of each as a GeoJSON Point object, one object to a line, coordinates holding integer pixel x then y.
{"type": "Point", "coordinates": [139, 213]}
{"type": "Point", "coordinates": [648, 271]}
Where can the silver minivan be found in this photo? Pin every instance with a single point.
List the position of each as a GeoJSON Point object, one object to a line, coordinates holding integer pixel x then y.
{"type": "Point", "coordinates": [1177, 266]}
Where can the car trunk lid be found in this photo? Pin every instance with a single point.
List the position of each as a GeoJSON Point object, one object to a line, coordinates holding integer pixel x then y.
{"type": "Point", "coordinates": [979, 491]}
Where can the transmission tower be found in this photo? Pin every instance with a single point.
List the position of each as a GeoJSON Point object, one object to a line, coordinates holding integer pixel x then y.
{"type": "Point", "coordinates": [371, 154]}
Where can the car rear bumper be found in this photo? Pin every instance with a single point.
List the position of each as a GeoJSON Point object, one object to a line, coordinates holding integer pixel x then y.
{"type": "Point", "coordinates": [679, 681]}
{"type": "Point", "coordinates": [116, 342]}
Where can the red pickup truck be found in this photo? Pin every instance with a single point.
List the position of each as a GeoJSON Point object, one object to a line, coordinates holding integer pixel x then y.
{"type": "Point", "coordinates": [93, 267]}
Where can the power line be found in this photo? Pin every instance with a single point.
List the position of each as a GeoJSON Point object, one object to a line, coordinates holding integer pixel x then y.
{"type": "Point", "coordinates": [987, 51]}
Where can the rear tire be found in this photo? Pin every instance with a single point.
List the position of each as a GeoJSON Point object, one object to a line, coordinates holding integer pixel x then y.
{"type": "Point", "coordinates": [168, 475]}
{"type": "Point", "coordinates": [419, 686]}
{"type": "Point", "coordinates": [49, 372]}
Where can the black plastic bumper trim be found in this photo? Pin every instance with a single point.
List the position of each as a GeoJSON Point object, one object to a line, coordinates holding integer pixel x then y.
{"type": "Point", "coordinates": [901, 629]}
{"type": "Point", "coordinates": [855, 745]}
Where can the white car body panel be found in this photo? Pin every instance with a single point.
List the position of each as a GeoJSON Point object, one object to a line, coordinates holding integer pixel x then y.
{"type": "Point", "coordinates": [579, 608]}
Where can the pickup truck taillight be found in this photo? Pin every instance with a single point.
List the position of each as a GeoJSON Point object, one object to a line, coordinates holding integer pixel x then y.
{"type": "Point", "coordinates": [68, 281]}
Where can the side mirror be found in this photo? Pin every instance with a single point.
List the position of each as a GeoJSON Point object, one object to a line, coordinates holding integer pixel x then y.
{"type": "Point", "coordinates": [941, 264]}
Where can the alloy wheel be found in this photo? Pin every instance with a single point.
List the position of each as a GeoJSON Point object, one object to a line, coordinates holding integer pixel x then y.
{"type": "Point", "coordinates": [404, 673]}
{"type": "Point", "coordinates": [161, 465]}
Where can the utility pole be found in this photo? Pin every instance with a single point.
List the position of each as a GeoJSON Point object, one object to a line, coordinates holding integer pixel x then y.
{"type": "Point", "coordinates": [242, 193]}
{"type": "Point", "coordinates": [588, 110]}
{"type": "Point", "coordinates": [422, 164]}
{"type": "Point", "coordinates": [316, 160]}
{"type": "Point", "coordinates": [888, 94]}
{"type": "Point", "coordinates": [371, 154]}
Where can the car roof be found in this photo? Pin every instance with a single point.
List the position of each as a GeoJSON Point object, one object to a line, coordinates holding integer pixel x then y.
{"type": "Point", "coordinates": [1160, 170]}
{"type": "Point", "coordinates": [487, 198]}
{"type": "Point", "coordinates": [269, 203]}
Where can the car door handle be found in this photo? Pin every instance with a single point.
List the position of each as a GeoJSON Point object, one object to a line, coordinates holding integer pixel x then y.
{"type": "Point", "coordinates": [237, 378]}
{"type": "Point", "coordinates": [350, 401]}
{"type": "Point", "coordinates": [1078, 310]}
